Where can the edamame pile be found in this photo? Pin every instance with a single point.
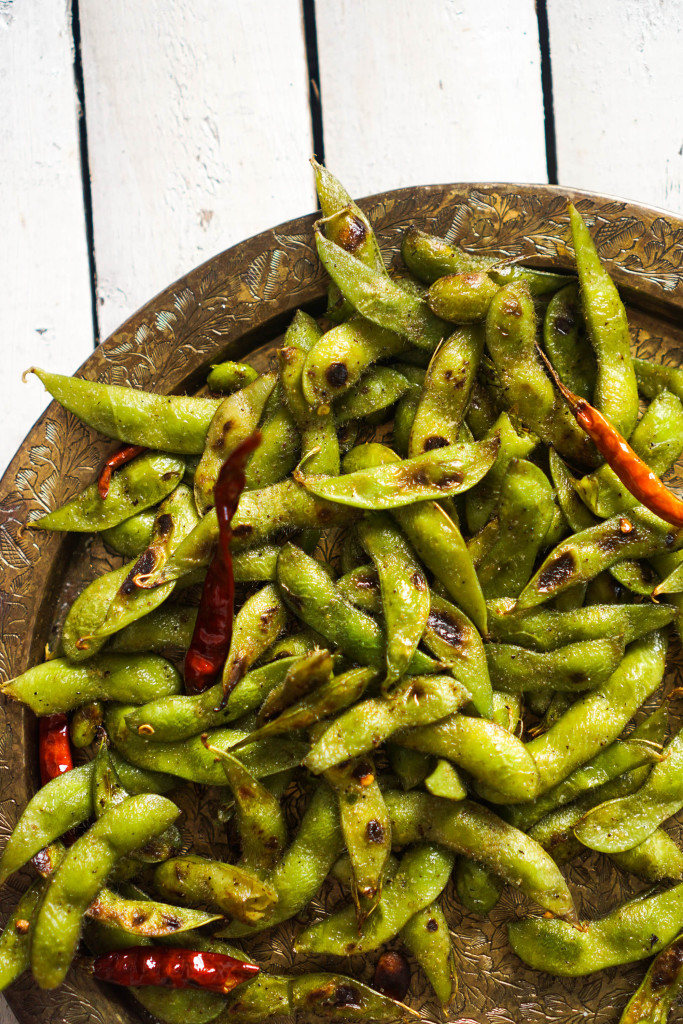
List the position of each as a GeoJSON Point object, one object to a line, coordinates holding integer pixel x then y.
{"type": "Point", "coordinates": [456, 692]}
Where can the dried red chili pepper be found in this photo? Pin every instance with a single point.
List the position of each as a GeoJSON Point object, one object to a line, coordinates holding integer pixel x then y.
{"type": "Point", "coordinates": [213, 630]}
{"type": "Point", "coordinates": [54, 747]}
{"type": "Point", "coordinates": [120, 458]}
{"type": "Point", "coordinates": [634, 474]}
{"type": "Point", "coordinates": [173, 968]}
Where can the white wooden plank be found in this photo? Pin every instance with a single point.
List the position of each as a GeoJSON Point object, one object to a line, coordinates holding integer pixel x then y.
{"type": "Point", "coordinates": [45, 314]}
{"type": "Point", "coordinates": [199, 134]}
{"type": "Point", "coordinates": [418, 93]}
{"type": "Point", "coordinates": [617, 83]}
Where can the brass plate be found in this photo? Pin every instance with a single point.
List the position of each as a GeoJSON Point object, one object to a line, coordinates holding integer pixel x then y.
{"type": "Point", "coordinates": [238, 302]}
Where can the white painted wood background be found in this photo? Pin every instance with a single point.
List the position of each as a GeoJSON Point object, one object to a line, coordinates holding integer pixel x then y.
{"type": "Point", "coordinates": [198, 132]}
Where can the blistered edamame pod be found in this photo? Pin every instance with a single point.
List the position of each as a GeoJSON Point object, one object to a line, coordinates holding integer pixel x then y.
{"type": "Point", "coordinates": [311, 671]}
{"type": "Point", "coordinates": [57, 685]}
{"type": "Point", "coordinates": [422, 875]}
{"type": "Point", "coordinates": [305, 864]}
{"type": "Point", "coordinates": [634, 931]}
{"type": "Point", "coordinates": [169, 423]}
{"type": "Point", "coordinates": [482, 411]}
{"type": "Point", "coordinates": [616, 393]}
{"type": "Point", "coordinates": [146, 917]}
{"type": "Point", "coordinates": [404, 416]}
{"type": "Point", "coordinates": [280, 446]}
{"type": "Point", "coordinates": [293, 646]}
{"type": "Point", "coordinates": [188, 758]}
{"type": "Point", "coordinates": [410, 766]}
{"type": "Point", "coordinates": [525, 514]}
{"type": "Point", "coordinates": [361, 587]}
{"type": "Point", "coordinates": [478, 888]}
{"type": "Point", "coordinates": [374, 295]}
{"type": "Point", "coordinates": [313, 597]}
{"type": "Point", "coordinates": [260, 820]}
{"type": "Point", "coordinates": [169, 628]}
{"type": "Point", "coordinates": [193, 879]}
{"type": "Point", "coordinates": [641, 747]}
{"type": "Point", "coordinates": [342, 355]}
{"type": "Point", "coordinates": [434, 474]}
{"type": "Point", "coordinates": [546, 629]}
{"type": "Point", "coordinates": [656, 858]}
{"type": "Point", "coordinates": [599, 717]}
{"type": "Point", "coordinates": [525, 387]}
{"type": "Point", "coordinates": [338, 998]}
{"type": "Point", "coordinates": [446, 391]}
{"type": "Point", "coordinates": [653, 378]}
{"type": "Point", "coordinates": [507, 710]}
{"type": "Point", "coordinates": [462, 298]}
{"type": "Point", "coordinates": [427, 936]}
{"type": "Point", "coordinates": [657, 439]}
{"type": "Point", "coordinates": [365, 826]}
{"type": "Point", "coordinates": [622, 824]}
{"type": "Point", "coordinates": [658, 991]}
{"type": "Point", "coordinates": [80, 876]}
{"type": "Point", "coordinates": [260, 514]}
{"type": "Point", "coordinates": [417, 700]}
{"type": "Point", "coordinates": [178, 718]}
{"type": "Point", "coordinates": [236, 418]}
{"type": "Point", "coordinates": [566, 344]}
{"type": "Point", "coordinates": [429, 258]}
{"type": "Point", "coordinates": [374, 394]}
{"type": "Point", "coordinates": [405, 595]}
{"type": "Point", "coordinates": [85, 723]}
{"type": "Point", "coordinates": [229, 376]}
{"type": "Point", "coordinates": [257, 625]}
{"type": "Point", "coordinates": [584, 556]}
{"type": "Point", "coordinates": [436, 539]}
{"type": "Point", "coordinates": [132, 536]}
{"type": "Point", "coordinates": [15, 941]}
{"type": "Point", "coordinates": [471, 829]}
{"type": "Point", "coordinates": [573, 668]}
{"type": "Point", "coordinates": [515, 443]}
{"type": "Point", "coordinates": [446, 781]}
{"type": "Point", "coordinates": [455, 641]}
{"type": "Point", "coordinates": [500, 764]}
{"type": "Point", "coordinates": [138, 485]}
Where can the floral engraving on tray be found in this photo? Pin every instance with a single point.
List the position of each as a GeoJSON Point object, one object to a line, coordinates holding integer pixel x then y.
{"type": "Point", "coordinates": [219, 308]}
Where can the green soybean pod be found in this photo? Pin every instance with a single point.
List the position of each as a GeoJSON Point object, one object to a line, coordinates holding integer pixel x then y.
{"type": "Point", "coordinates": [507, 710]}
{"type": "Point", "coordinates": [446, 391]}
{"type": "Point", "coordinates": [653, 378]}
{"type": "Point", "coordinates": [57, 686]}
{"type": "Point", "coordinates": [427, 936]}
{"type": "Point", "coordinates": [361, 587]}
{"type": "Point", "coordinates": [374, 394]}
{"type": "Point", "coordinates": [85, 723]}
{"type": "Point", "coordinates": [598, 718]}
{"type": "Point", "coordinates": [336, 997]}
{"type": "Point", "coordinates": [168, 628]}
{"type": "Point", "coordinates": [422, 875]}
{"type": "Point", "coordinates": [192, 879]}
{"type": "Point", "coordinates": [15, 940]}
{"type": "Point", "coordinates": [230, 376]}
{"type": "Point", "coordinates": [616, 393]}
{"type": "Point", "coordinates": [278, 452]}
{"type": "Point", "coordinates": [410, 766]}
{"type": "Point", "coordinates": [365, 826]}
{"type": "Point", "coordinates": [483, 409]}
{"type": "Point", "coordinates": [305, 865]}
{"type": "Point", "coordinates": [404, 590]}
{"type": "Point", "coordinates": [132, 536]}
{"type": "Point", "coordinates": [622, 824]}
{"type": "Point", "coordinates": [446, 781]}
{"type": "Point", "coordinates": [566, 344]}
{"type": "Point", "coordinates": [633, 931]}
{"type": "Point", "coordinates": [468, 828]}
{"type": "Point", "coordinates": [404, 417]}
{"type": "Point", "coordinates": [571, 669]}
{"type": "Point", "coordinates": [661, 987]}
{"type": "Point", "coordinates": [455, 641]}
{"type": "Point", "coordinates": [138, 485]}
{"type": "Point", "coordinates": [515, 443]}
{"type": "Point", "coordinates": [311, 671]}
{"type": "Point", "coordinates": [655, 859]}
{"type": "Point", "coordinates": [462, 298]}
{"type": "Point", "coordinates": [478, 888]}
{"type": "Point", "coordinates": [417, 700]}
{"type": "Point", "coordinates": [257, 625]}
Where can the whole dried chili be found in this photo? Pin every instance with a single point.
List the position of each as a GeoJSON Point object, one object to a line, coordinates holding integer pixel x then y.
{"type": "Point", "coordinates": [213, 630]}
{"type": "Point", "coordinates": [173, 968]}
{"type": "Point", "coordinates": [120, 458]}
{"type": "Point", "coordinates": [54, 747]}
{"type": "Point", "coordinates": [634, 474]}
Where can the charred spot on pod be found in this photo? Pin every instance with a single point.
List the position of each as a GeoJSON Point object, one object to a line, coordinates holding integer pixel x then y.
{"type": "Point", "coordinates": [324, 514]}
{"type": "Point", "coordinates": [222, 437]}
{"type": "Point", "coordinates": [375, 831]}
{"type": "Point", "coordinates": [237, 670]}
{"type": "Point", "coordinates": [346, 995]}
{"type": "Point", "coordinates": [392, 975]}
{"type": "Point", "coordinates": [352, 233]}
{"type": "Point", "coordinates": [363, 773]}
{"type": "Point", "coordinates": [432, 925]}
{"type": "Point", "coordinates": [171, 922]}
{"type": "Point", "coordinates": [451, 479]}
{"type": "Point", "coordinates": [558, 572]}
{"type": "Point", "coordinates": [447, 628]}
{"type": "Point", "coordinates": [164, 525]}
{"type": "Point", "coordinates": [245, 792]}
{"type": "Point", "coordinates": [142, 567]}
{"type": "Point", "coordinates": [242, 530]}
{"type": "Point", "coordinates": [367, 581]}
{"type": "Point", "coordinates": [667, 967]}
{"type": "Point", "coordinates": [337, 375]}
{"type": "Point", "coordinates": [267, 617]}
{"type": "Point", "coordinates": [169, 475]}
{"type": "Point", "coordinates": [138, 917]}
{"type": "Point", "coordinates": [616, 539]}
{"type": "Point", "coordinates": [418, 581]}
{"type": "Point", "coordinates": [564, 323]}
{"type": "Point", "coordinates": [510, 306]}
{"type": "Point", "coordinates": [435, 441]}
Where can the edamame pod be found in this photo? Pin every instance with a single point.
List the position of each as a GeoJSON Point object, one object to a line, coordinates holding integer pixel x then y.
{"type": "Point", "coordinates": [138, 485]}
{"type": "Point", "coordinates": [455, 642]}
{"type": "Point", "coordinates": [571, 669]}
{"type": "Point", "coordinates": [422, 875]}
{"type": "Point", "coordinates": [168, 423]}
{"type": "Point", "coordinates": [374, 394]}
{"type": "Point", "coordinates": [230, 376]}
{"type": "Point", "coordinates": [335, 997]}
{"type": "Point", "coordinates": [653, 378]}
{"type": "Point", "coordinates": [15, 941]}
{"type": "Point", "coordinates": [515, 443]}
{"type": "Point", "coordinates": [566, 344]}
{"type": "Point", "coordinates": [257, 625]}
{"type": "Point", "coordinates": [462, 298]}
{"type": "Point", "coordinates": [478, 888]}
{"type": "Point", "coordinates": [132, 536]}
{"type": "Point", "coordinates": [169, 628]}
{"type": "Point", "coordinates": [471, 829]}
{"type": "Point", "coordinates": [193, 879]}
{"type": "Point", "coordinates": [57, 685]}
{"type": "Point", "coordinates": [341, 357]}
{"type": "Point", "coordinates": [278, 452]}
{"type": "Point", "coordinates": [446, 781]}
{"type": "Point", "coordinates": [660, 988]}
{"type": "Point", "coordinates": [427, 936]}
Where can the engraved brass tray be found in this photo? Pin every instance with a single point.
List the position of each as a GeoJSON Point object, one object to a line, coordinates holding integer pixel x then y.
{"type": "Point", "coordinates": [235, 304]}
